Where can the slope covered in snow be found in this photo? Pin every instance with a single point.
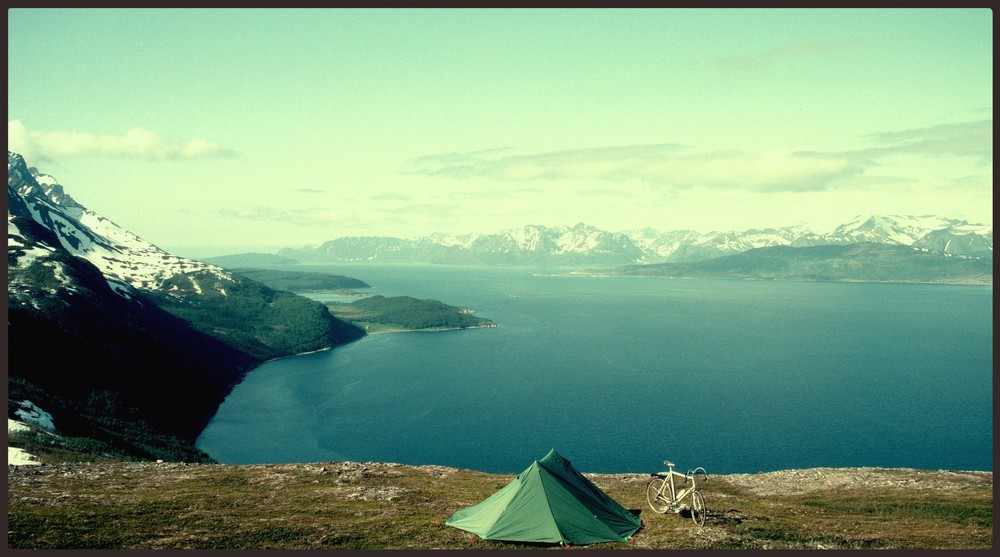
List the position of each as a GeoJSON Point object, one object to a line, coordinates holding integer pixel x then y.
{"type": "Point", "coordinates": [122, 257]}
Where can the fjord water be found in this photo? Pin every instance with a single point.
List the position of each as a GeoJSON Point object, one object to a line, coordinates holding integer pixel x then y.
{"type": "Point", "coordinates": [618, 374]}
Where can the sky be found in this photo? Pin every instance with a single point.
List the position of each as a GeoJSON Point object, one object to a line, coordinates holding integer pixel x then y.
{"type": "Point", "coordinates": [218, 131]}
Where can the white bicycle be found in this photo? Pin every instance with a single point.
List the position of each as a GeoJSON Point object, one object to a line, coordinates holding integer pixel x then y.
{"type": "Point", "coordinates": [663, 495]}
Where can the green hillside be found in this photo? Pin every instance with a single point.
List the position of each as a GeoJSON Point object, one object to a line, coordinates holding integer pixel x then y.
{"type": "Point", "coordinates": [379, 314]}
{"type": "Point", "coordinates": [255, 318]}
{"type": "Point", "coordinates": [300, 281]}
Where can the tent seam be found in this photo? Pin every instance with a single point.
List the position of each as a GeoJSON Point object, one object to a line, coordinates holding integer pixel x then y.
{"type": "Point", "coordinates": [545, 492]}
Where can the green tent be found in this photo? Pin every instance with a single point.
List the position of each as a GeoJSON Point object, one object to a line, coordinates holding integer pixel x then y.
{"type": "Point", "coordinates": [548, 502]}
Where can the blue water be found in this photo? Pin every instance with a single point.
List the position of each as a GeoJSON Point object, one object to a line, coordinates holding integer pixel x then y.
{"type": "Point", "coordinates": [618, 374]}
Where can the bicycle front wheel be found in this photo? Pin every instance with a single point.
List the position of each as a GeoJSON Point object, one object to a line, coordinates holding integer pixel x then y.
{"type": "Point", "coordinates": [698, 510]}
{"type": "Point", "coordinates": [655, 496]}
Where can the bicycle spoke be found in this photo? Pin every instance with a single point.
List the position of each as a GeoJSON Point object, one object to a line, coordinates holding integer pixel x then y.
{"type": "Point", "coordinates": [698, 510]}
{"type": "Point", "coordinates": [654, 495]}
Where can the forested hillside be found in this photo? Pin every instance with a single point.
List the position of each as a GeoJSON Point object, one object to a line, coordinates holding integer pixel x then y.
{"type": "Point", "coordinates": [377, 313]}
{"type": "Point", "coordinates": [300, 281]}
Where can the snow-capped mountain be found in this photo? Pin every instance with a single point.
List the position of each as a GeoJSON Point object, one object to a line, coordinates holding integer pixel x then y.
{"type": "Point", "coordinates": [50, 236]}
{"type": "Point", "coordinates": [570, 245]}
{"type": "Point", "coordinates": [125, 260]}
{"type": "Point", "coordinates": [688, 245]}
{"type": "Point", "coordinates": [584, 244]}
{"type": "Point", "coordinates": [933, 233]}
{"type": "Point", "coordinates": [126, 345]}
{"type": "Point", "coordinates": [529, 245]}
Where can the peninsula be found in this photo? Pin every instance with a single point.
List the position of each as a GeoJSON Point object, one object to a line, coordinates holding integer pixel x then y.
{"type": "Point", "coordinates": [379, 314]}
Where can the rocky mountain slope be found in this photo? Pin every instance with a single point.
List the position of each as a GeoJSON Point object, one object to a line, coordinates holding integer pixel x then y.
{"type": "Point", "coordinates": [124, 344]}
{"type": "Point", "coordinates": [586, 245]}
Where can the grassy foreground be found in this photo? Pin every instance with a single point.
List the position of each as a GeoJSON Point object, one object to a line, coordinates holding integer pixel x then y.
{"type": "Point", "coordinates": [346, 505]}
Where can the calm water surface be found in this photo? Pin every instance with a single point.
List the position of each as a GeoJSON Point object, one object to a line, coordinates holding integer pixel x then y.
{"type": "Point", "coordinates": [618, 374]}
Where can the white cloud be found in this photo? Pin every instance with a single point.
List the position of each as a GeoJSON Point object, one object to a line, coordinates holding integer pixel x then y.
{"type": "Point", "coordinates": [663, 165]}
{"type": "Point", "coordinates": [760, 60]}
{"type": "Point", "coordinates": [973, 139]}
{"type": "Point", "coordinates": [136, 143]}
{"type": "Point", "coordinates": [676, 166]}
{"type": "Point", "coordinates": [266, 214]}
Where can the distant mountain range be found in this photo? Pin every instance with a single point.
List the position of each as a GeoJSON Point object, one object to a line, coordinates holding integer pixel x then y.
{"type": "Point", "coordinates": [589, 246]}
{"type": "Point", "coordinates": [863, 261]}
{"type": "Point", "coordinates": [126, 346]}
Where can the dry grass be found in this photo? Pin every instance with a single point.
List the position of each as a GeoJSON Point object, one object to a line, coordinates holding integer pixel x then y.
{"type": "Point", "coordinates": [388, 506]}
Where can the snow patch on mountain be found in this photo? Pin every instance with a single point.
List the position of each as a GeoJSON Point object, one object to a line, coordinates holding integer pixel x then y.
{"type": "Point", "coordinates": [30, 413]}
{"type": "Point", "coordinates": [20, 457]}
{"type": "Point", "coordinates": [31, 251]}
{"type": "Point", "coordinates": [903, 230]}
{"type": "Point", "coordinates": [126, 260]}
{"type": "Point", "coordinates": [449, 240]}
{"type": "Point", "coordinates": [528, 238]}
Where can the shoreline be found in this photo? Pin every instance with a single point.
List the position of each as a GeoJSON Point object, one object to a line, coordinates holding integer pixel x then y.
{"type": "Point", "coordinates": [858, 473]}
{"type": "Point", "coordinates": [782, 482]}
{"type": "Point", "coordinates": [432, 330]}
{"type": "Point", "coordinates": [598, 274]}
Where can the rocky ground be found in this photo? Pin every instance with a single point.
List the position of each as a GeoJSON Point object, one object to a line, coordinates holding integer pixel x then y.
{"type": "Point", "coordinates": [351, 505]}
{"type": "Point", "coordinates": [794, 482]}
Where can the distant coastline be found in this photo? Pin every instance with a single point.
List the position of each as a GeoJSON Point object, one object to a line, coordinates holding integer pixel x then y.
{"type": "Point", "coordinates": [432, 330]}
{"type": "Point", "coordinates": [860, 262]}
{"type": "Point", "coordinates": [609, 274]}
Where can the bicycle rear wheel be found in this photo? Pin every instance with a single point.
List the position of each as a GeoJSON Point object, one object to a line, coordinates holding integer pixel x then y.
{"type": "Point", "coordinates": [654, 496]}
{"type": "Point", "coordinates": [698, 510]}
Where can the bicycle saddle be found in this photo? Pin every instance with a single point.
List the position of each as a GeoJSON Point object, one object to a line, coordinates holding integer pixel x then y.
{"type": "Point", "coordinates": [668, 464]}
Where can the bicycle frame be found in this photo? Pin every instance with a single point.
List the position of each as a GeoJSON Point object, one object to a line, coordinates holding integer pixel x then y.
{"type": "Point", "coordinates": [675, 496]}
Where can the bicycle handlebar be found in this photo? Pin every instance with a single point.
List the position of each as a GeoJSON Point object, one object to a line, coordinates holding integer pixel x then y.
{"type": "Point", "coordinates": [698, 470]}
{"type": "Point", "coordinates": [670, 465]}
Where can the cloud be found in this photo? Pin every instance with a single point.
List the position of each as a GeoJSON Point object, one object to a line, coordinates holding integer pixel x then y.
{"type": "Point", "coordinates": [607, 192]}
{"type": "Point", "coordinates": [456, 158]}
{"type": "Point", "coordinates": [603, 162]}
{"type": "Point", "coordinates": [495, 193]}
{"type": "Point", "coordinates": [308, 190]}
{"type": "Point", "coordinates": [957, 139]}
{"type": "Point", "coordinates": [976, 180]}
{"type": "Point", "coordinates": [773, 171]}
{"type": "Point", "coordinates": [389, 196]}
{"type": "Point", "coordinates": [300, 217]}
{"type": "Point", "coordinates": [974, 139]}
{"type": "Point", "coordinates": [136, 143]}
{"type": "Point", "coordinates": [761, 60]}
{"type": "Point", "coordinates": [670, 165]}
{"type": "Point", "coordinates": [661, 165]}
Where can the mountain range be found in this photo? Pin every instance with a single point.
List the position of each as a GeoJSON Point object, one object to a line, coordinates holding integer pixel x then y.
{"type": "Point", "coordinates": [126, 346]}
{"type": "Point", "coordinates": [587, 245]}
